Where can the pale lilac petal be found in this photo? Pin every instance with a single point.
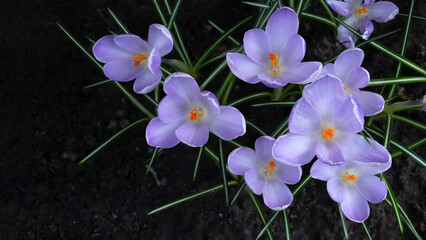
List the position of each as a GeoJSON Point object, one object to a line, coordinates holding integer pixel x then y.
{"type": "Point", "coordinates": [105, 50]}
{"type": "Point", "coordinates": [357, 78]}
{"type": "Point", "coordinates": [347, 61]}
{"type": "Point", "coordinates": [193, 134]}
{"type": "Point", "coordinates": [329, 152]}
{"type": "Point", "coordinates": [281, 26]}
{"type": "Point", "coordinates": [329, 69]}
{"type": "Point", "coordinates": [294, 149]}
{"type": "Point", "coordinates": [182, 84]}
{"type": "Point", "coordinates": [242, 160]}
{"type": "Point", "coordinates": [293, 52]}
{"type": "Point", "coordinates": [159, 134]}
{"type": "Point", "coordinates": [147, 81]}
{"type": "Point", "coordinates": [256, 46]}
{"type": "Point", "coordinates": [228, 124]}
{"type": "Point", "coordinates": [326, 96]}
{"type": "Point", "coordinates": [132, 43]}
{"type": "Point", "coordinates": [371, 103]}
{"type": "Point", "coordinates": [368, 2]}
{"type": "Point", "coordinates": [288, 174]}
{"type": "Point", "coordinates": [159, 37]}
{"type": "Point", "coordinates": [356, 148]}
{"type": "Point", "coordinates": [382, 11]}
{"type": "Point", "coordinates": [373, 168]}
{"type": "Point", "coordinates": [346, 37]}
{"type": "Point", "coordinates": [154, 60]}
{"type": "Point", "coordinates": [304, 119]}
{"type": "Point", "coordinates": [255, 181]}
{"type": "Point", "coordinates": [272, 81]}
{"type": "Point", "coordinates": [336, 189]}
{"type": "Point", "coordinates": [366, 27]}
{"type": "Point", "coordinates": [173, 108]}
{"type": "Point", "coordinates": [323, 171]}
{"type": "Point", "coordinates": [349, 119]}
{"type": "Point", "coordinates": [355, 206]}
{"type": "Point", "coordinates": [371, 188]}
{"type": "Point", "coordinates": [354, 2]}
{"type": "Point", "coordinates": [302, 73]}
{"type": "Point", "coordinates": [122, 70]}
{"type": "Point", "coordinates": [276, 195]}
{"type": "Point", "coordinates": [210, 102]}
{"type": "Point", "coordinates": [263, 148]}
{"type": "Point", "coordinates": [342, 8]}
{"type": "Point", "coordinates": [243, 67]}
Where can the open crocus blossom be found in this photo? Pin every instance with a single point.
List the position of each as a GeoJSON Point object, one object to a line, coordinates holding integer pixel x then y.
{"type": "Point", "coordinates": [325, 123]}
{"type": "Point", "coordinates": [186, 115]}
{"type": "Point", "coordinates": [264, 174]}
{"type": "Point", "coordinates": [274, 56]}
{"type": "Point", "coordinates": [127, 56]}
{"type": "Point", "coordinates": [359, 16]}
{"type": "Point", "coordinates": [347, 68]}
{"type": "Point", "coordinates": [353, 184]}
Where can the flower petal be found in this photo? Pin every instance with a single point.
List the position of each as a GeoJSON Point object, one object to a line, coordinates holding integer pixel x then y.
{"type": "Point", "coordinates": [243, 67]}
{"type": "Point", "coordinates": [288, 174]}
{"type": "Point", "coordinates": [323, 171]}
{"type": "Point", "coordinates": [159, 134]}
{"type": "Point", "coordinates": [132, 43]}
{"type": "Point", "coordinates": [294, 149]}
{"type": "Point", "coordinates": [172, 108]}
{"type": "Point", "coordinates": [159, 37]}
{"type": "Point", "coordinates": [105, 50]}
{"type": "Point", "coordinates": [255, 181]}
{"type": "Point", "coordinates": [373, 168]}
{"type": "Point", "coordinates": [256, 46]}
{"type": "Point", "coordinates": [263, 148]}
{"type": "Point", "coordinates": [154, 60]}
{"type": "Point", "coordinates": [336, 189]}
{"type": "Point", "coordinates": [329, 69]}
{"type": "Point", "coordinates": [122, 70]}
{"type": "Point", "coordinates": [293, 52]}
{"type": "Point", "coordinates": [342, 8]}
{"type": "Point", "coordinates": [303, 119]}
{"type": "Point", "coordinates": [348, 119]}
{"type": "Point", "coordinates": [193, 134]}
{"type": "Point", "coordinates": [182, 84]}
{"type": "Point", "coordinates": [356, 78]}
{"type": "Point", "coordinates": [329, 152]}
{"type": "Point", "coordinates": [242, 160]}
{"type": "Point", "coordinates": [276, 195]}
{"type": "Point", "coordinates": [271, 81]}
{"type": "Point", "coordinates": [356, 148]}
{"type": "Point", "coordinates": [302, 73]}
{"type": "Point", "coordinates": [371, 188]}
{"type": "Point", "coordinates": [281, 26]}
{"type": "Point", "coordinates": [355, 206]}
{"type": "Point", "coordinates": [371, 103]}
{"type": "Point", "coordinates": [147, 81]}
{"type": "Point", "coordinates": [346, 37]}
{"type": "Point", "coordinates": [382, 11]}
{"type": "Point", "coordinates": [347, 61]}
{"type": "Point", "coordinates": [228, 124]}
{"type": "Point", "coordinates": [210, 102]}
{"type": "Point", "coordinates": [366, 27]}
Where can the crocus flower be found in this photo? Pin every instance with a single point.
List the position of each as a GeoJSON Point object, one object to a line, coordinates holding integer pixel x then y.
{"type": "Point", "coordinates": [325, 123]}
{"type": "Point", "coordinates": [264, 174]}
{"type": "Point", "coordinates": [127, 56]}
{"type": "Point", "coordinates": [353, 184]}
{"type": "Point", "coordinates": [359, 16]}
{"type": "Point", "coordinates": [347, 69]}
{"type": "Point", "coordinates": [274, 56]}
{"type": "Point", "coordinates": [186, 115]}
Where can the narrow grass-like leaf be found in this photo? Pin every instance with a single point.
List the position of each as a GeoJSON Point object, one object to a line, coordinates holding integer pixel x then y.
{"type": "Point", "coordinates": [256, 4]}
{"type": "Point", "coordinates": [151, 160]}
{"type": "Point", "coordinates": [299, 7]}
{"type": "Point", "coordinates": [211, 154]}
{"type": "Point", "coordinates": [388, 131]}
{"type": "Point", "coordinates": [414, 16]}
{"type": "Point", "coordinates": [215, 44]}
{"type": "Point", "coordinates": [157, 94]}
{"type": "Point", "coordinates": [397, 80]}
{"type": "Point", "coordinates": [403, 106]}
{"type": "Point", "coordinates": [319, 18]}
{"type": "Point", "coordinates": [394, 204]}
{"type": "Point", "coordinates": [343, 219]}
{"type": "Point", "coordinates": [213, 74]}
{"type": "Point", "coordinates": [174, 13]}
{"type": "Point", "coordinates": [250, 97]}
{"type": "Point", "coordinates": [219, 29]}
{"type": "Point", "coordinates": [280, 3]}
{"type": "Point", "coordinates": [255, 128]}
{"type": "Point", "coordinates": [327, 9]}
{"type": "Point", "coordinates": [284, 104]}
{"type": "Point", "coordinates": [262, 15]}
{"type": "Point", "coordinates": [268, 224]}
{"type": "Point", "coordinates": [151, 100]}
{"type": "Point", "coordinates": [220, 56]}
{"type": "Point", "coordinates": [289, 94]}
{"type": "Point", "coordinates": [291, 3]}
{"type": "Point", "coordinates": [286, 225]}
{"type": "Point", "coordinates": [228, 90]}
{"type": "Point", "coordinates": [280, 128]}
{"type": "Point", "coordinates": [117, 20]}
{"type": "Point", "coordinates": [364, 225]}
{"type": "Point", "coordinates": [235, 143]}
{"type": "Point", "coordinates": [197, 162]}
{"type": "Point", "coordinates": [259, 211]}
{"type": "Point", "coordinates": [97, 84]}
{"type": "Point", "coordinates": [240, 189]}
{"type": "Point", "coordinates": [406, 219]}
{"type": "Point", "coordinates": [111, 139]}
{"type": "Point", "coordinates": [302, 184]}
{"type": "Point", "coordinates": [165, 71]}
{"type": "Point", "coordinates": [268, 15]}
{"type": "Point", "coordinates": [224, 85]}
{"type": "Point", "coordinates": [192, 197]}
{"type": "Point", "coordinates": [134, 100]}
{"type": "Point", "coordinates": [223, 171]}
{"type": "Point", "coordinates": [417, 143]}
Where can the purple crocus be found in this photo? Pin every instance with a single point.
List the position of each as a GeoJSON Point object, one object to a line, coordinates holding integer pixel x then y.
{"type": "Point", "coordinates": [274, 56]}
{"type": "Point", "coordinates": [359, 16]}
{"type": "Point", "coordinates": [347, 68]}
{"type": "Point", "coordinates": [186, 115]}
{"type": "Point", "coordinates": [264, 174]}
{"type": "Point", "coordinates": [325, 123]}
{"type": "Point", "coordinates": [127, 56]}
{"type": "Point", "coordinates": [353, 184]}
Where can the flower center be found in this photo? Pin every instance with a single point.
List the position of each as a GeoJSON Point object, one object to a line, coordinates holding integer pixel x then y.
{"type": "Point", "coordinates": [344, 88]}
{"type": "Point", "coordinates": [327, 133]}
{"type": "Point", "coordinates": [270, 169]}
{"type": "Point", "coordinates": [348, 177]}
{"type": "Point", "coordinates": [360, 11]}
{"type": "Point", "coordinates": [195, 114]}
{"type": "Point", "coordinates": [274, 63]}
{"type": "Point", "coordinates": [138, 58]}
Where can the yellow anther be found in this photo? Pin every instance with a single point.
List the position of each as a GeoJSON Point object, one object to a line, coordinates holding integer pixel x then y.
{"type": "Point", "coordinates": [328, 133]}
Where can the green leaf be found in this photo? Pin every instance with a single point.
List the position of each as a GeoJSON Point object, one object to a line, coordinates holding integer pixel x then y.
{"type": "Point", "coordinates": [364, 225]}
{"type": "Point", "coordinates": [397, 80]}
{"type": "Point", "coordinates": [115, 136]}
{"type": "Point", "coordinates": [211, 154]}
{"type": "Point", "coordinates": [219, 29]}
{"type": "Point", "coordinates": [414, 16]}
{"type": "Point", "coordinates": [213, 74]}
{"type": "Point", "coordinates": [388, 131]}
{"type": "Point", "coordinates": [224, 85]}
{"type": "Point", "coordinates": [192, 197]}
{"type": "Point", "coordinates": [405, 219]}
{"type": "Point", "coordinates": [259, 211]}
{"type": "Point", "coordinates": [261, 15]}
{"type": "Point", "coordinates": [286, 225]}
{"type": "Point", "coordinates": [268, 224]}
{"type": "Point", "coordinates": [197, 162]}
{"type": "Point", "coordinates": [319, 18]}
{"type": "Point", "coordinates": [417, 143]}
{"type": "Point", "coordinates": [151, 100]}
{"type": "Point", "coordinates": [299, 7]}
{"type": "Point", "coordinates": [151, 160]}
{"type": "Point", "coordinates": [403, 106]}
{"type": "Point", "coordinates": [240, 189]}
{"type": "Point", "coordinates": [342, 218]}
{"type": "Point", "coordinates": [256, 4]}
{"type": "Point", "coordinates": [269, 12]}
{"type": "Point", "coordinates": [228, 90]}
{"type": "Point", "coordinates": [327, 9]}
{"type": "Point", "coordinates": [394, 204]}
{"type": "Point", "coordinates": [223, 171]}
{"type": "Point", "coordinates": [174, 13]}
{"type": "Point", "coordinates": [97, 84]}
{"type": "Point", "coordinates": [235, 143]}
{"type": "Point", "coordinates": [250, 97]}
{"type": "Point", "coordinates": [281, 128]}
{"type": "Point", "coordinates": [255, 128]}
{"type": "Point", "coordinates": [117, 20]}
{"type": "Point", "coordinates": [301, 185]}
{"type": "Point", "coordinates": [285, 104]}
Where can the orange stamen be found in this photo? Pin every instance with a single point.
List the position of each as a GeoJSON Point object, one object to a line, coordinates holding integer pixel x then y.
{"type": "Point", "coordinates": [270, 168]}
{"type": "Point", "coordinates": [360, 11]}
{"type": "Point", "coordinates": [328, 133]}
{"type": "Point", "coordinates": [195, 114]}
{"type": "Point", "coordinates": [274, 63]}
{"type": "Point", "coordinates": [138, 58]}
{"type": "Point", "coordinates": [351, 178]}
{"type": "Point", "coordinates": [344, 88]}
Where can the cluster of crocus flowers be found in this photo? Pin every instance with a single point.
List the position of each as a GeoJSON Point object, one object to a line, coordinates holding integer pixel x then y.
{"type": "Point", "coordinates": [186, 115]}
{"type": "Point", "coordinates": [359, 16]}
{"type": "Point", "coordinates": [274, 56]}
{"type": "Point", "coordinates": [128, 57]}
{"type": "Point", "coordinates": [265, 175]}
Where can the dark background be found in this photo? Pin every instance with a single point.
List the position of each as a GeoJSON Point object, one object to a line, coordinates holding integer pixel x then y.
{"type": "Point", "coordinates": [49, 123]}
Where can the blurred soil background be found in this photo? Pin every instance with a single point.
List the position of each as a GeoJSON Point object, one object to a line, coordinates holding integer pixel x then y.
{"type": "Point", "coordinates": [49, 123]}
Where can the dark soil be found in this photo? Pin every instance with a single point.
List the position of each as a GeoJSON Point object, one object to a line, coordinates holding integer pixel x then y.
{"type": "Point", "coordinates": [49, 123]}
